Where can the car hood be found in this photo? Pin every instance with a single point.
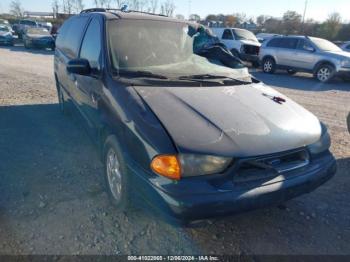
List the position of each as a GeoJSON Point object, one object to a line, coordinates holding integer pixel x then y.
{"type": "Point", "coordinates": [40, 36]}
{"type": "Point", "coordinates": [236, 121]}
{"type": "Point", "coordinates": [250, 42]}
{"type": "Point", "coordinates": [339, 54]}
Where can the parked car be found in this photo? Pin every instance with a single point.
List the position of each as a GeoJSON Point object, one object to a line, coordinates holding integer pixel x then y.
{"type": "Point", "coordinates": [39, 38]}
{"type": "Point", "coordinates": [23, 25]}
{"type": "Point", "coordinates": [191, 138]}
{"type": "Point", "coordinates": [4, 21]}
{"type": "Point", "coordinates": [308, 54]}
{"type": "Point", "coordinates": [262, 37]}
{"type": "Point", "coordinates": [46, 25]}
{"type": "Point", "coordinates": [241, 42]}
{"type": "Point", "coordinates": [6, 37]}
{"type": "Point", "coordinates": [346, 46]}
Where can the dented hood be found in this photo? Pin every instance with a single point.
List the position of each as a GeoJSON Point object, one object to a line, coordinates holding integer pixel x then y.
{"type": "Point", "coordinates": [236, 121]}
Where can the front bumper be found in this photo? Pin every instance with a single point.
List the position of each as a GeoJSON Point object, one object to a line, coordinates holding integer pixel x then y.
{"type": "Point", "coordinates": [42, 44]}
{"type": "Point", "coordinates": [212, 202]}
{"type": "Point", "coordinates": [6, 41]}
{"type": "Point", "coordinates": [249, 58]}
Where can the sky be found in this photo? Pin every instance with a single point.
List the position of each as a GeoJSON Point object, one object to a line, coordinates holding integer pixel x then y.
{"type": "Point", "coordinates": [317, 9]}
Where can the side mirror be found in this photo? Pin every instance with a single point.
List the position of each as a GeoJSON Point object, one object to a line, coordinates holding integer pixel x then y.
{"type": "Point", "coordinates": [310, 49]}
{"type": "Point", "coordinates": [79, 67]}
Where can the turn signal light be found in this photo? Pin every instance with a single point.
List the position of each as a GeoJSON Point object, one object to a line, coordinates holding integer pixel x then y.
{"type": "Point", "coordinates": [167, 166]}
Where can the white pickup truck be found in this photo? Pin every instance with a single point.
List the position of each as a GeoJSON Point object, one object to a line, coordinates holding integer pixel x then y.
{"type": "Point", "coordinates": [242, 43]}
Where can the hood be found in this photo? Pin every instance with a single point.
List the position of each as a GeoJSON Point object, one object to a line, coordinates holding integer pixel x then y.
{"type": "Point", "coordinates": [250, 42]}
{"type": "Point", "coordinates": [339, 54]}
{"type": "Point", "coordinates": [35, 36]}
{"type": "Point", "coordinates": [238, 121]}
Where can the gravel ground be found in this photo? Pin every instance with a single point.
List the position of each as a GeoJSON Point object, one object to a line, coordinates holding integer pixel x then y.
{"type": "Point", "coordinates": [52, 198]}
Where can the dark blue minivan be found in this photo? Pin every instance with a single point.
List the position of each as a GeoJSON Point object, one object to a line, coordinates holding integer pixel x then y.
{"type": "Point", "coordinates": [188, 136]}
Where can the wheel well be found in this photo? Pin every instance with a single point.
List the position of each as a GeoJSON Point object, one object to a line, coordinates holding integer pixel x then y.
{"type": "Point", "coordinates": [321, 63]}
{"type": "Point", "coordinates": [269, 56]}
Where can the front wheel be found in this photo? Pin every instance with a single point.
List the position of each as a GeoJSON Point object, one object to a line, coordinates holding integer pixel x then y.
{"type": "Point", "coordinates": [325, 73]}
{"type": "Point", "coordinates": [116, 175]}
{"type": "Point", "coordinates": [269, 65]}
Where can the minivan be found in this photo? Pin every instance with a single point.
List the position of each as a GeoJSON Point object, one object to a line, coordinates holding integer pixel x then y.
{"type": "Point", "coordinates": [190, 138]}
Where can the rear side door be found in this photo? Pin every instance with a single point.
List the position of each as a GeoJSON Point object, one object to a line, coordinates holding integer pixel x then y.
{"type": "Point", "coordinates": [305, 56]}
{"type": "Point", "coordinates": [286, 51]}
{"type": "Point", "coordinates": [89, 87]}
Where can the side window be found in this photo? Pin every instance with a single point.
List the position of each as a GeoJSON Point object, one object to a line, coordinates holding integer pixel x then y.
{"type": "Point", "coordinates": [71, 36]}
{"type": "Point", "coordinates": [304, 45]}
{"type": "Point", "coordinates": [275, 42]}
{"type": "Point", "coordinates": [62, 31]}
{"type": "Point", "coordinates": [91, 46]}
{"type": "Point", "coordinates": [227, 35]}
{"type": "Point", "coordinates": [348, 47]}
{"type": "Point", "coordinates": [289, 43]}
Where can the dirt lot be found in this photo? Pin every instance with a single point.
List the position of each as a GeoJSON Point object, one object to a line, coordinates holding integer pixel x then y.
{"type": "Point", "coordinates": [52, 198]}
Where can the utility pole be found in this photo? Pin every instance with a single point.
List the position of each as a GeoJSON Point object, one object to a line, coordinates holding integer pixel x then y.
{"type": "Point", "coordinates": [304, 15]}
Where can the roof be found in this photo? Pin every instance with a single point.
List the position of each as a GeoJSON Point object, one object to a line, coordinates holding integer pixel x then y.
{"type": "Point", "coordinates": [116, 13]}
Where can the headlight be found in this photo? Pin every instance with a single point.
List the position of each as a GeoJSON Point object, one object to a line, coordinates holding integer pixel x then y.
{"type": "Point", "coordinates": [323, 144]}
{"type": "Point", "coordinates": [345, 63]}
{"type": "Point", "coordinates": [187, 165]}
{"type": "Point", "coordinates": [198, 165]}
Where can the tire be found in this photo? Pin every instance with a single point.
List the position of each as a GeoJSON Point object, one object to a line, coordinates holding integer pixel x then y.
{"type": "Point", "coordinates": [291, 72]}
{"type": "Point", "coordinates": [325, 73]}
{"type": "Point", "coordinates": [62, 103]}
{"type": "Point", "coordinates": [117, 181]}
{"type": "Point", "coordinates": [269, 65]}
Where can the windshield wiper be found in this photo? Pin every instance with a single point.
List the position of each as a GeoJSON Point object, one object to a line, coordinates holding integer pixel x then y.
{"type": "Point", "coordinates": [140, 73]}
{"type": "Point", "coordinates": [212, 77]}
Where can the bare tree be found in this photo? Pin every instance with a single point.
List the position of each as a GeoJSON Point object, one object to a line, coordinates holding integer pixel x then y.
{"type": "Point", "coordinates": [180, 17]}
{"type": "Point", "coordinates": [168, 8]}
{"type": "Point", "coordinates": [16, 8]}
{"type": "Point", "coordinates": [331, 27]}
{"type": "Point", "coordinates": [153, 6]}
{"type": "Point", "coordinates": [120, 3]}
{"type": "Point", "coordinates": [78, 6]}
{"type": "Point", "coordinates": [55, 8]}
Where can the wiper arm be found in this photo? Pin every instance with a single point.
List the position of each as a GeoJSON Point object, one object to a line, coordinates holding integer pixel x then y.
{"type": "Point", "coordinates": [140, 73]}
{"type": "Point", "coordinates": [212, 77]}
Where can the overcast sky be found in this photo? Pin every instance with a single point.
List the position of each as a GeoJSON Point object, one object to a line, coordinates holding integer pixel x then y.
{"type": "Point", "coordinates": [317, 9]}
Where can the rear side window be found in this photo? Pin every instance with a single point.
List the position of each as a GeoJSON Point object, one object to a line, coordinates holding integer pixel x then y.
{"type": "Point", "coordinates": [275, 42]}
{"type": "Point", "coordinates": [289, 43]}
{"type": "Point", "coordinates": [227, 35]}
{"type": "Point", "coordinates": [91, 47]}
{"type": "Point", "coordinates": [70, 34]}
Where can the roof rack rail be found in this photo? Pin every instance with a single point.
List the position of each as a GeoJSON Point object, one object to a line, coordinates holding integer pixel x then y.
{"type": "Point", "coordinates": [90, 10]}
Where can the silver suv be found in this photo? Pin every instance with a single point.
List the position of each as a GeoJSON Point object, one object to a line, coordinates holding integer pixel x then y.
{"type": "Point", "coordinates": [307, 54]}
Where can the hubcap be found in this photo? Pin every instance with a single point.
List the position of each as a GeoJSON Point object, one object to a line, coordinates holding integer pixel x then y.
{"type": "Point", "coordinates": [268, 66]}
{"type": "Point", "coordinates": [114, 175]}
{"type": "Point", "coordinates": [323, 74]}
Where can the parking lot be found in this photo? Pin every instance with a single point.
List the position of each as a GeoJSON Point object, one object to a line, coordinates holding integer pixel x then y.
{"type": "Point", "coordinates": [53, 201]}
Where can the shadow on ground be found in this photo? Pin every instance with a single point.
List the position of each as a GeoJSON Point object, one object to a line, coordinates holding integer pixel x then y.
{"type": "Point", "coordinates": [53, 201]}
{"type": "Point", "coordinates": [20, 48]}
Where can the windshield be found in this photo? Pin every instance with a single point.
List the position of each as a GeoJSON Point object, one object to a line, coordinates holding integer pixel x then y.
{"type": "Point", "coordinates": [324, 45]}
{"type": "Point", "coordinates": [4, 29]}
{"type": "Point", "coordinates": [38, 31]}
{"type": "Point", "coordinates": [27, 22]}
{"type": "Point", "coordinates": [159, 47]}
{"type": "Point", "coordinates": [241, 34]}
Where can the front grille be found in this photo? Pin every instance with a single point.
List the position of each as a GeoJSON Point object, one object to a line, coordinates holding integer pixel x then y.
{"type": "Point", "coordinates": [251, 49]}
{"type": "Point", "coordinates": [262, 168]}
